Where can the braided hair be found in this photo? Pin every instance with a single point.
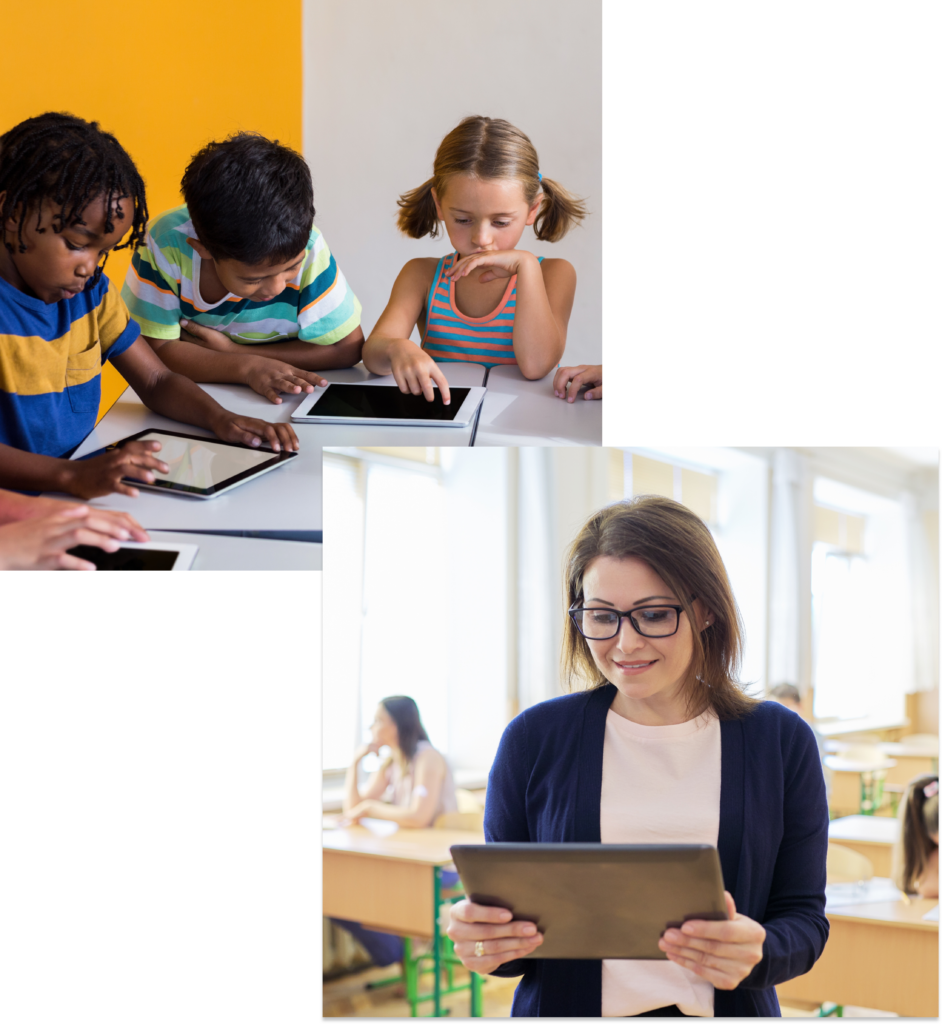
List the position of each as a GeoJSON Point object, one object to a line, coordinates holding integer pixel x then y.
{"type": "Point", "coordinates": [71, 162]}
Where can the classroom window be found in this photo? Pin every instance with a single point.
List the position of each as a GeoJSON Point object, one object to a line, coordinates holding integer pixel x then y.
{"type": "Point", "coordinates": [862, 605]}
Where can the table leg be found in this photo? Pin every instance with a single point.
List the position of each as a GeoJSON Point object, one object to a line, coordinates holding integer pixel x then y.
{"type": "Point", "coordinates": [436, 940]}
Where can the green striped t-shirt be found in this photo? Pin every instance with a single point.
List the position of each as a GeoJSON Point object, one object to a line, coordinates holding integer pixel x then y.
{"type": "Point", "coordinates": [162, 287]}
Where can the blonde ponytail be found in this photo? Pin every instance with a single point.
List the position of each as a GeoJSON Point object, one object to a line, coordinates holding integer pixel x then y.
{"type": "Point", "coordinates": [417, 214]}
{"type": "Point", "coordinates": [560, 211]}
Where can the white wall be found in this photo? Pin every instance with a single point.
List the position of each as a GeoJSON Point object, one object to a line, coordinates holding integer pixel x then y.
{"type": "Point", "coordinates": [385, 82]}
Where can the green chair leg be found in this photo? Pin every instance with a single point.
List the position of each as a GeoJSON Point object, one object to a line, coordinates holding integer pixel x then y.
{"type": "Point", "coordinates": [410, 975]}
{"type": "Point", "coordinates": [477, 995]}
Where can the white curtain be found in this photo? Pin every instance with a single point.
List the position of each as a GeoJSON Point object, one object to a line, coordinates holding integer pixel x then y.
{"type": "Point", "coordinates": [790, 570]}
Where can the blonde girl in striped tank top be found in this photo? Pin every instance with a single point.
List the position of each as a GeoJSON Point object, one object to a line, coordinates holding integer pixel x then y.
{"type": "Point", "coordinates": [486, 302]}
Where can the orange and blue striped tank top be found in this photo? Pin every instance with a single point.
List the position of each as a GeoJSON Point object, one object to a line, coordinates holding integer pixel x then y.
{"type": "Point", "coordinates": [451, 337]}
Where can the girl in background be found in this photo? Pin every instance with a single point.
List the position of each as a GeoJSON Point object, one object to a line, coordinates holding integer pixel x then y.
{"type": "Point", "coordinates": [916, 854]}
{"type": "Point", "coordinates": [487, 302]}
{"type": "Point", "coordinates": [412, 786]}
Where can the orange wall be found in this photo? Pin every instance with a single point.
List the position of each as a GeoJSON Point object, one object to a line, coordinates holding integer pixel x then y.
{"type": "Point", "coordinates": [164, 78]}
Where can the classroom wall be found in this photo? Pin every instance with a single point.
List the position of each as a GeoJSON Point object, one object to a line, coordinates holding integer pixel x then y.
{"type": "Point", "coordinates": [137, 76]}
{"type": "Point", "coordinates": [385, 82]}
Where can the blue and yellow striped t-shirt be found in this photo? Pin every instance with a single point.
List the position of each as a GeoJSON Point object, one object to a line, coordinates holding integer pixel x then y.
{"type": "Point", "coordinates": [163, 285]}
{"type": "Point", "coordinates": [50, 364]}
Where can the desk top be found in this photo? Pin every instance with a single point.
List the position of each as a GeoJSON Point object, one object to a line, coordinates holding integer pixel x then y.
{"type": "Point", "coordinates": [864, 828]}
{"type": "Point", "coordinates": [219, 552]}
{"type": "Point", "coordinates": [430, 846]}
{"type": "Point", "coordinates": [341, 435]}
{"type": "Point", "coordinates": [898, 914]}
{"type": "Point", "coordinates": [517, 411]}
{"type": "Point", "coordinates": [287, 498]}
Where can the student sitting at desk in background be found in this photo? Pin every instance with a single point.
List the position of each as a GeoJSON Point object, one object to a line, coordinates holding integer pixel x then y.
{"type": "Point", "coordinates": [418, 782]}
{"type": "Point", "coordinates": [487, 302]}
{"type": "Point", "coordinates": [916, 852]}
{"type": "Point", "coordinates": [68, 195]}
{"type": "Point", "coordinates": [237, 285]}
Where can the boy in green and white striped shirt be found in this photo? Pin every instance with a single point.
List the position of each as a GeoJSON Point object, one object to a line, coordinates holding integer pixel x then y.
{"type": "Point", "coordinates": [237, 285]}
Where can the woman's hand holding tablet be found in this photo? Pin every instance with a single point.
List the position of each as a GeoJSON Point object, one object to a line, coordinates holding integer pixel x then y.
{"type": "Point", "coordinates": [486, 937]}
{"type": "Point", "coordinates": [721, 952]}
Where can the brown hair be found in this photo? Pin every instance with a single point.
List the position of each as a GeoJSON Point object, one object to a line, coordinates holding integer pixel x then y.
{"type": "Point", "coordinates": [489, 148]}
{"type": "Point", "coordinates": [405, 713]}
{"type": "Point", "coordinates": [677, 545]}
{"type": "Point", "coordinates": [919, 820]}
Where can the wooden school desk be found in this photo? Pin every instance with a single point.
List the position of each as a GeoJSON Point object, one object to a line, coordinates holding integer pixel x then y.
{"type": "Point", "coordinates": [867, 834]}
{"type": "Point", "coordinates": [390, 882]}
{"type": "Point", "coordinates": [286, 500]}
{"type": "Point", "coordinates": [339, 435]}
{"type": "Point", "coordinates": [517, 411]}
{"type": "Point", "coordinates": [882, 956]}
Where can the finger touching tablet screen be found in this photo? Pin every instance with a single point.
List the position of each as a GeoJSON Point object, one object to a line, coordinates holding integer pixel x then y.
{"type": "Point", "coordinates": [387, 405]}
{"type": "Point", "coordinates": [204, 467]}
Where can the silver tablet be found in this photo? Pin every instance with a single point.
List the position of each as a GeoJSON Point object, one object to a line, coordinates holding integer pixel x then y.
{"type": "Point", "coordinates": [204, 467]}
{"type": "Point", "coordinates": [385, 404]}
{"type": "Point", "coordinates": [136, 557]}
{"type": "Point", "coordinates": [596, 901]}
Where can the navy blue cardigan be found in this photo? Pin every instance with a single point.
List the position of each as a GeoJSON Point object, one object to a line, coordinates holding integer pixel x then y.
{"type": "Point", "coordinates": [546, 785]}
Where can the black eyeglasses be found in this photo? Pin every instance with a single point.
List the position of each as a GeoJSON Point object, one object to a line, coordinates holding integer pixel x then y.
{"type": "Point", "coordinates": [653, 620]}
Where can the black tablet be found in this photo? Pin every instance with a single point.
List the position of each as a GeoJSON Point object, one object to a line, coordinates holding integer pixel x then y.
{"type": "Point", "coordinates": [596, 901]}
{"type": "Point", "coordinates": [133, 557]}
{"type": "Point", "coordinates": [204, 467]}
{"type": "Point", "coordinates": [384, 405]}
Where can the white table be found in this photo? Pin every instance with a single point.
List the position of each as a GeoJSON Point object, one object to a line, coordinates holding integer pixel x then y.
{"type": "Point", "coordinates": [221, 552]}
{"type": "Point", "coordinates": [286, 499]}
{"type": "Point", "coordinates": [517, 411]}
{"type": "Point", "coordinates": [341, 435]}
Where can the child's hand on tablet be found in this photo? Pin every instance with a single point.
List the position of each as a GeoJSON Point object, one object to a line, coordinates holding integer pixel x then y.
{"type": "Point", "coordinates": [92, 478]}
{"type": "Point", "coordinates": [44, 543]}
{"type": "Point", "coordinates": [250, 431]}
{"type": "Point", "coordinates": [486, 937]}
{"type": "Point", "coordinates": [270, 377]}
{"type": "Point", "coordinates": [576, 377]}
{"type": "Point", "coordinates": [415, 371]}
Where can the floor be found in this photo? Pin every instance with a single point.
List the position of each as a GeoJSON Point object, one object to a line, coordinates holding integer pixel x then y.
{"type": "Point", "coordinates": [349, 997]}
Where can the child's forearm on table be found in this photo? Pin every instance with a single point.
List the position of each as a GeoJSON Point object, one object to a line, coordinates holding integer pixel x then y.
{"type": "Point", "coordinates": [178, 398]}
{"type": "Point", "coordinates": [203, 365]}
{"type": "Point", "coordinates": [307, 356]}
{"type": "Point", "coordinates": [14, 508]}
{"type": "Point", "coordinates": [538, 340]}
{"type": "Point", "coordinates": [26, 471]}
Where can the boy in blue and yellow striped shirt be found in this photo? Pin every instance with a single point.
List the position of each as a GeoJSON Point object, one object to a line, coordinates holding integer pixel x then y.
{"type": "Point", "coordinates": [237, 285]}
{"type": "Point", "coordinates": [68, 195]}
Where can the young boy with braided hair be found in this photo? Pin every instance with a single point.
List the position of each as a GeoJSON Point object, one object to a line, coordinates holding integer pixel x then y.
{"type": "Point", "coordinates": [238, 285]}
{"type": "Point", "coordinates": [69, 193]}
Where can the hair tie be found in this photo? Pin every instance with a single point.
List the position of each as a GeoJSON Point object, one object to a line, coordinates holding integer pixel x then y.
{"type": "Point", "coordinates": [931, 790]}
{"type": "Point", "coordinates": [539, 176]}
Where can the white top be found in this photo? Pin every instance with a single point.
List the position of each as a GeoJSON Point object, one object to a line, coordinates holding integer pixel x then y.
{"type": "Point", "coordinates": [401, 784]}
{"type": "Point", "coordinates": [660, 784]}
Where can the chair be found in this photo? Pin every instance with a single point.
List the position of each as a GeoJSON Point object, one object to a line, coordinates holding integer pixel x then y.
{"type": "Point", "coordinates": [844, 865]}
{"type": "Point", "coordinates": [847, 865]}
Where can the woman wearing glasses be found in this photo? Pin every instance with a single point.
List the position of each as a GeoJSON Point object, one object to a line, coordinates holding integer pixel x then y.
{"type": "Point", "coordinates": [662, 747]}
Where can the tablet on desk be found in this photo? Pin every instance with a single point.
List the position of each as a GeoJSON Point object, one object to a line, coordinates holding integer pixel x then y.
{"type": "Point", "coordinates": [134, 557]}
{"type": "Point", "coordinates": [388, 406]}
{"type": "Point", "coordinates": [596, 901]}
{"type": "Point", "coordinates": [204, 467]}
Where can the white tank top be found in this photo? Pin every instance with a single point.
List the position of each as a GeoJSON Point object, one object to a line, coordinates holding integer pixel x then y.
{"type": "Point", "coordinates": [660, 784]}
{"type": "Point", "coordinates": [401, 784]}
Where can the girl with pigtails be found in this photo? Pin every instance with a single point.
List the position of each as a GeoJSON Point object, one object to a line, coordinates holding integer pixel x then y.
{"type": "Point", "coordinates": [916, 852]}
{"type": "Point", "coordinates": [486, 302]}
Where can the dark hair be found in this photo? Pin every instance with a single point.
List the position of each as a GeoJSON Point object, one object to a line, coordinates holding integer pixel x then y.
{"type": "Point", "coordinates": [919, 819]}
{"type": "Point", "coordinates": [71, 162]}
{"type": "Point", "coordinates": [405, 713]}
{"type": "Point", "coordinates": [490, 148]}
{"type": "Point", "coordinates": [250, 199]}
{"type": "Point", "coordinates": [677, 545]}
{"type": "Point", "coordinates": [786, 691]}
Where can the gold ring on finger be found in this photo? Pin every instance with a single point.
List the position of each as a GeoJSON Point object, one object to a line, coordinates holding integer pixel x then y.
{"type": "Point", "coordinates": [479, 948]}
